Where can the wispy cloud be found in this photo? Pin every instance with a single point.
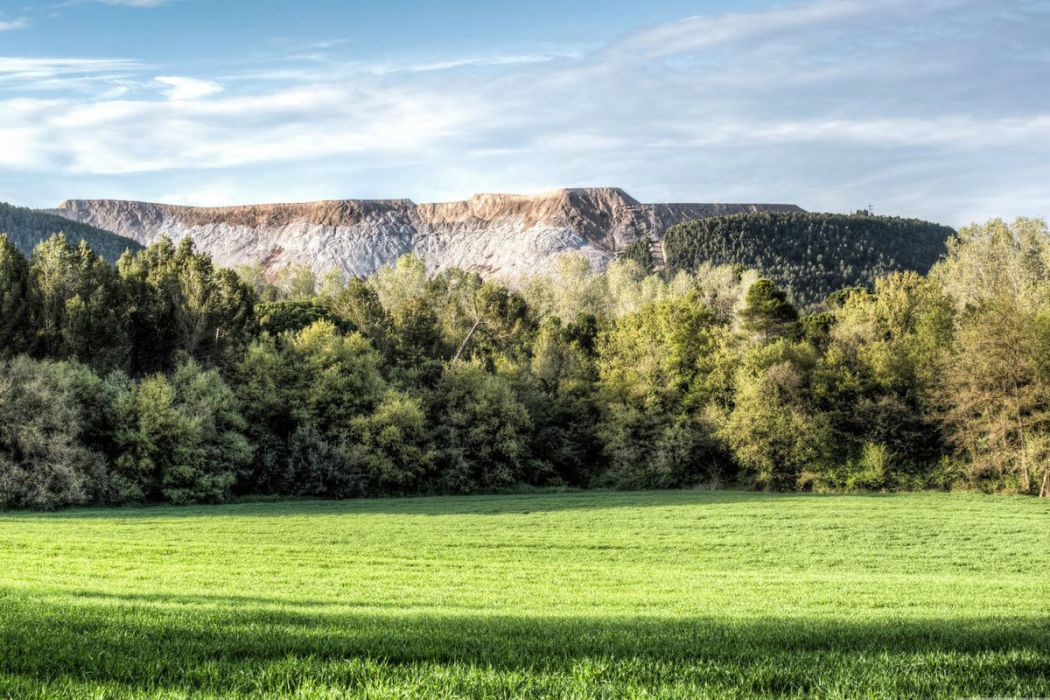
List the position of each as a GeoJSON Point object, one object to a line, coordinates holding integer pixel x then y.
{"type": "Point", "coordinates": [118, 3]}
{"type": "Point", "coordinates": [136, 3]}
{"type": "Point", "coordinates": [703, 32]}
{"type": "Point", "coordinates": [9, 25]}
{"type": "Point", "coordinates": [183, 88]}
{"type": "Point", "coordinates": [829, 104]}
{"type": "Point", "coordinates": [476, 62]}
{"type": "Point", "coordinates": [29, 69]}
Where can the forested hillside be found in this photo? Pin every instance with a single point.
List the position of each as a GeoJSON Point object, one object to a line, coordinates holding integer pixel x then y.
{"type": "Point", "coordinates": [810, 255]}
{"type": "Point", "coordinates": [166, 379]}
{"type": "Point", "coordinates": [28, 227]}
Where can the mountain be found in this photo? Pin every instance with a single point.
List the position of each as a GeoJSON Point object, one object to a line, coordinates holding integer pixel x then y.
{"type": "Point", "coordinates": [28, 227]}
{"type": "Point", "coordinates": [501, 234]}
{"type": "Point", "coordinates": [810, 255]}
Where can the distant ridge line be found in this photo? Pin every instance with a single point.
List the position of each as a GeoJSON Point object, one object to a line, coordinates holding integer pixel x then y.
{"type": "Point", "coordinates": [503, 234]}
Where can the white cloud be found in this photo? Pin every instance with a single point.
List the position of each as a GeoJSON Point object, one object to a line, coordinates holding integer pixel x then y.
{"type": "Point", "coordinates": [9, 25]}
{"type": "Point", "coordinates": [829, 104]}
{"type": "Point", "coordinates": [181, 88]}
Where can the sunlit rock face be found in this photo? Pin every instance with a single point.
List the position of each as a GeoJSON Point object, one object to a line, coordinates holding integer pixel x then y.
{"type": "Point", "coordinates": [496, 234]}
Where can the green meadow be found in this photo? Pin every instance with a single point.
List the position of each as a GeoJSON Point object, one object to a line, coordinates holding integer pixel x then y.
{"type": "Point", "coordinates": [671, 594]}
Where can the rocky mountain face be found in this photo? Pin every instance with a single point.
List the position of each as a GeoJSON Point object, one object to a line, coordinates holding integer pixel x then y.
{"type": "Point", "coordinates": [498, 234]}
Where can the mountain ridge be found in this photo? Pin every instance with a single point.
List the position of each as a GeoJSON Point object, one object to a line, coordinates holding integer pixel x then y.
{"type": "Point", "coordinates": [494, 233]}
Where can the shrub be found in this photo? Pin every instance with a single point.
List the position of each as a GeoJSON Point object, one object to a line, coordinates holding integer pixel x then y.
{"type": "Point", "coordinates": [319, 467]}
{"type": "Point", "coordinates": [42, 464]}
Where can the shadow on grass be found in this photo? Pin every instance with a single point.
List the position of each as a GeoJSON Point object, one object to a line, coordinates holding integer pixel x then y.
{"type": "Point", "coordinates": [220, 645]}
{"type": "Point", "coordinates": [241, 602]}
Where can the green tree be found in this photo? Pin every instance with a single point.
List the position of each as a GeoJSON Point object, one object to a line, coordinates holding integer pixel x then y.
{"type": "Point", "coordinates": [357, 303]}
{"type": "Point", "coordinates": [997, 389]}
{"type": "Point", "coordinates": [414, 344]}
{"type": "Point", "coordinates": [490, 320]}
{"type": "Point", "coordinates": [767, 312]}
{"type": "Point", "coordinates": [277, 317]}
{"type": "Point", "coordinates": [16, 311]}
{"type": "Point", "coordinates": [300, 395]}
{"type": "Point", "coordinates": [774, 430]}
{"type": "Point", "coordinates": [27, 228]}
{"type": "Point", "coordinates": [570, 290]}
{"type": "Point", "coordinates": [319, 466]}
{"type": "Point", "coordinates": [809, 254]}
{"type": "Point", "coordinates": [80, 306]}
{"type": "Point", "coordinates": [878, 378]}
{"type": "Point", "coordinates": [340, 372]}
{"type": "Point", "coordinates": [392, 448]}
{"type": "Point", "coordinates": [268, 383]}
{"type": "Point", "coordinates": [482, 430]}
{"type": "Point", "coordinates": [184, 308]}
{"type": "Point", "coordinates": [331, 285]}
{"type": "Point", "coordinates": [401, 282]}
{"type": "Point", "coordinates": [298, 282]}
{"type": "Point", "coordinates": [105, 409]}
{"type": "Point", "coordinates": [558, 387]}
{"type": "Point", "coordinates": [253, 276]}
{"type": "Point", "coordinates": [656, 369]}
{"type": "Point", "coordinates": [998, 397]}
{"type": "Point", "coordinates": [183, 441]}
{"type": "Point", "coordinates": [640, 252]}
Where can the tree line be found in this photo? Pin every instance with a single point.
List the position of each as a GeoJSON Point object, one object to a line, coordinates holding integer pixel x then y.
{"type": "Point", "coordinates": [163, 379]}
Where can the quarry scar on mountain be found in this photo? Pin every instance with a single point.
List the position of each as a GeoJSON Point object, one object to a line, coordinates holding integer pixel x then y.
{"type": "Point", "coordinates": [499, 234]}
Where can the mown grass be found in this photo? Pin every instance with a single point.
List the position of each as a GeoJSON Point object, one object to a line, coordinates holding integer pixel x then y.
{"type": "Point", "coordinates": [679, 594]}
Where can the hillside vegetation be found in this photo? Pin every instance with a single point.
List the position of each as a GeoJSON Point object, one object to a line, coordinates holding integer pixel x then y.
{"type": "Point", "coordinates": [26, 228]}
{"type": "Point", "coordinates": [166, 379]}
{"type": "Point", "coordinates": [596, 595]}
{"type": "Point", "coordinates": [810, 255]}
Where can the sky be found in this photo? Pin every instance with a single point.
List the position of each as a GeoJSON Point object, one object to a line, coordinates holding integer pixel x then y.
{"type": "Point", "coordinates": [938, 109]}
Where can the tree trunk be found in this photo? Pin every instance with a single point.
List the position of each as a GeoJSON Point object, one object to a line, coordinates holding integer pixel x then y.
{"type": "Point", "coordinates": [463, 345]}
{"type": "Point", "coordinates": [1026, 474]}
{"type": "Point", "coordinates": [1044, 492]}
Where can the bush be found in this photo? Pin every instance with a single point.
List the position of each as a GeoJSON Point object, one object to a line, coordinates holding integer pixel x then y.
{"type": "Point", "coordinates": [42, 463]}
{"type": "Point", "coordinates": [320, 468]}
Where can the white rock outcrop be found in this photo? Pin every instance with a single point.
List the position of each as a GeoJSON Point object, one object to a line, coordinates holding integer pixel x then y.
{"type": "Point", "coordinates": [498, 234]}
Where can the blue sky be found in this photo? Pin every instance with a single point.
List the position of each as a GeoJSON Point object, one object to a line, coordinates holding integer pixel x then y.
{"type": "Point", "coordinates": [930, 108]}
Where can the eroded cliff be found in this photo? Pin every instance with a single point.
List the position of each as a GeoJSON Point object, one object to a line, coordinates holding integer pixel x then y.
{"type": "Point", "coordinates": [500, 234]}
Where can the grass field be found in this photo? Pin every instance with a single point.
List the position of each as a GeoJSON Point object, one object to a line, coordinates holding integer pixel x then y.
{"type": "Point", "coordinates": [679, 594]}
